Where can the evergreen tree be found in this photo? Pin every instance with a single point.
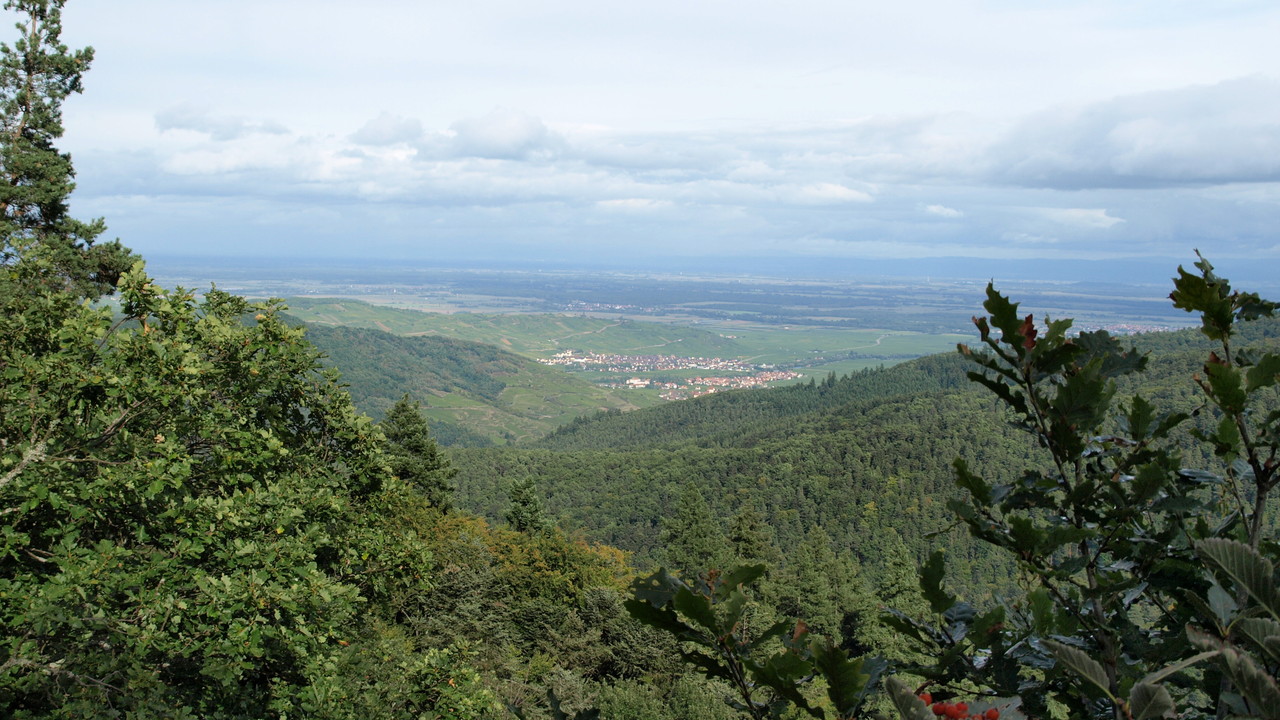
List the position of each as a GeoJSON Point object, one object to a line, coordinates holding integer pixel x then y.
{"type": "Point", "coordinates": [692, 539]}
{"type": "Point", "coordinates": [37, 73]}
{"type": "Point", "coordinates": [525, 514]}
{"type": "Point", "coordinates": [813, 587]}
{"type": "Point", "coordinates": [751, 537]}
{"type": "Point", "coordinates": [413, 455]}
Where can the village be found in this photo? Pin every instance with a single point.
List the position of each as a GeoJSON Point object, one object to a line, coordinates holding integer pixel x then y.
{"type": "Point", "coordinates": [673, 390]}
{"type": "Point", "coordinates": [642, 363]}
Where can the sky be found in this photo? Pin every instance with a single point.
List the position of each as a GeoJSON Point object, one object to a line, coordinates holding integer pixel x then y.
{"type": "Point", "coordinates": [560, 130]}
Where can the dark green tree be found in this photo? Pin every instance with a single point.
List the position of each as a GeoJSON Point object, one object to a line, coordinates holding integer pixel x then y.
{"type": "Point", "coordinates": [751, 538]}
{"type": "Point", "coordinates": [692, 538]}
{"type": "Point", "coordinates": [37, 73]}
{"type": "Point", "coordinates": [525, 513]}
{"type": "Point", "coordinates": [414, 456]}
{"type": "Point", "coordinates": [817, 586]}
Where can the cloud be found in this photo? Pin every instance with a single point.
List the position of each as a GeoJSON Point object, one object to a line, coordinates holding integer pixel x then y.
{"type": "Point", "coordinates": [1200, 135]}
{"type": "Point", "coordinates": [825, 193]}
{"type": "Point", "coordinates": [388, 129]}
{"type": "Point", "coordinates": [504, 134]}
{"type": "Point", "coordinates": [942, 211]}
{"type": "Point", "coordinates": [1089, 218]}
{"type": "Point", "coordinates": [633, 204]}
{"type": "Point", "coordinates": [217, 127]}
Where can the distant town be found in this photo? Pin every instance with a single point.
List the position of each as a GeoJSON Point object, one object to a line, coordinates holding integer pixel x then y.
{"type": "Point", "coordinates": [645, 363]}
{"type": "Point", "coordinates": [754, 375]}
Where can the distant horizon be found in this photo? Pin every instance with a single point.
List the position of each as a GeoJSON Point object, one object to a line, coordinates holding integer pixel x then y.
{"type": "Point", "coordinates": [1123, 272]}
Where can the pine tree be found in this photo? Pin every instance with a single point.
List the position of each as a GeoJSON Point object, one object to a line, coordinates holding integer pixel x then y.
{"type": "Point", "coordinates": [813, 586]}
{"type": "Point", "coordinates": [414, 456]}
{"type": "Point", "coordinates": [751, 537]}
{"type": "Point", "coordinates": [525, 514]}
{"type": "Point", "coordinates": [693, 541]}
{"type": "Point", "coordinates": [37, 74]}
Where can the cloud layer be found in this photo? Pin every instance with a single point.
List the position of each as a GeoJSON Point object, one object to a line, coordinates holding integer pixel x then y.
{"type": "Point", "coordinates": [927, 129]}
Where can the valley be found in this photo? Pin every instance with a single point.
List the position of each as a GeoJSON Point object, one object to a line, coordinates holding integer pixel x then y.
{"type": "Point", "coordinates": [576, 343]}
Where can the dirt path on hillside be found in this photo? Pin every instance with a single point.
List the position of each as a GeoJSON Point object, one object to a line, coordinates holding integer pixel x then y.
{"type": "Point", "coordinates": [585, 332]}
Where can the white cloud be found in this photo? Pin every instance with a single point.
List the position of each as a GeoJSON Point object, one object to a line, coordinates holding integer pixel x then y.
{"type": "Point", "coordinates": [942, 211]}
{"type": "Point", "coordinates": [1022, 238]}
{"type": "Point", "coordinates": [504, 134]}
{"type": "Point", "coordinates": [1089, 218]}
{"type": "Point", "coordinates": [1200, 135]}
{"type": "Point", "coordinates": [633, 204]}
{"type": "Point", "coordinates": [218, 127]}
{"type": "Point", "coordinates": [824, 193]}
{"type": "Point", "coordinates": [388, 129]}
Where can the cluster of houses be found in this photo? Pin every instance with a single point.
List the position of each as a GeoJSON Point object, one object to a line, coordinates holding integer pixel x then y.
{"type": "Point", "coordinates": [752, 375]}
{"type": "Point", "coordinates": [607, 362]}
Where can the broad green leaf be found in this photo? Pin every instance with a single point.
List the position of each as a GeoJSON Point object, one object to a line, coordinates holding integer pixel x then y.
{"type": "Point", "coordinates": [1207, 297]}
{"type": "Point", "coordinates": [739, 576]}
{"type": "Point", "coordinates": [1169, 670]}
{"type": "Point", "coordinates": [1253, 682]}
{"type": "Point", "coordinates": [976, 486]}
{"type": "Point", "coordinates": [1264, 632]}
{"type": "Point", "coordinates": [708, 665]}
{"type": "Point", "coordinates": [1147, 700]}
{"type": "Point", "coordinates": [909, 706]}
{"type": "Point", "coordinates": [1264, 373]}
{"type": "Point", "coordinates": [1252, 572]}
{"type": "Point", "coordinates": [1081, 664]}
{"type": "Point", "coordinates": [782, 672]}
{"type": "Point", "coordinates": [1227, 387]}
{"type": "Point", "coordinates": [1138, 417]}
{"type": "Point", "coordinates": [661, 618]}
{"type": "Point", "coordinates": [697, 608]}
{"type": "Point", "coordinates": [1004, 315]}
{"type": "Point", "coordinates": [846, 682]}
{"type": "Point", "coordinates": [657, 589]}
{"type": "Point", "coordinates": [1222, 605]}
{"type": "Point", "coordinates": [1013, 399]}
{"type": "Point", "coordinates": [931, 577]}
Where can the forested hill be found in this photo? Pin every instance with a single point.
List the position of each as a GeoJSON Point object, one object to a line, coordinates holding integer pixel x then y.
{"type": "Point", "coordinates": [733, 417]}
{"type": "Point", "coordinates": [725, 418]}
{"type": "Point", "coordinates": [852, 458]}
{"type": "Point", "coordinates": [474, 394]}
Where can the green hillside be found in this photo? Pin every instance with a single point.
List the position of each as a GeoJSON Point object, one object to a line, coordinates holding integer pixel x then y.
{"type": "Point", "coordinates": [530, 335]}
{"type": "Point", "coordinates": [818, 348]}
{"type": "Point", "coordinates": [857, 456]}
{"type": "Point", "coordinates": [473, 394]}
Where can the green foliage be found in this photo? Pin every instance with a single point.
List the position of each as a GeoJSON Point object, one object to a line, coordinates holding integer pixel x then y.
{"type": "Point", "coordinates": [383, 674]}
{"type": "Point", "coordinates": [1138, 570]}
{"type": "Point", "coordinates": [37, 73]}
{"type": "Point", "coordinates": [691, 536]}
{"type": "Point", "coordinates": [525, 514]}
{"type": "Point", "coordinates": [475, 395]}
{"type": "Point", "coordinates": [413, 455]}
{"type": "Point", "coordinates": [179, 492]}
{"type": "Point", "coordinates": [766, 669]}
